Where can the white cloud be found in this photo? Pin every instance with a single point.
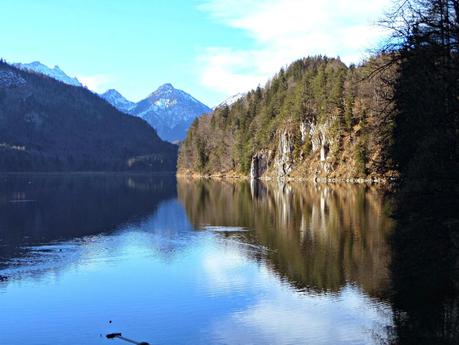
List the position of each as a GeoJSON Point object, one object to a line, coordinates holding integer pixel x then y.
{"type": "Point", "coordinates": [285, 30]}
{"type": "Point", "coordinates": [96, 82]}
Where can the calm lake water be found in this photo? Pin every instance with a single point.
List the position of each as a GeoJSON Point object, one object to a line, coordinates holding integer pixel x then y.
{"type": "Point", "coordinates": [191, 262]}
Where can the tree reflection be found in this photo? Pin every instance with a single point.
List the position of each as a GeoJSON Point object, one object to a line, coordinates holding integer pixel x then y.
{"type": "Point", "coordinates": [425, 267]}
{"type": "Point", "coordinates": [319, 236]}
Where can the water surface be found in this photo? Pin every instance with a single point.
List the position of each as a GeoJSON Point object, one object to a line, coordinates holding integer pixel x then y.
{"type": "Point", "coordinates": [191, 262]}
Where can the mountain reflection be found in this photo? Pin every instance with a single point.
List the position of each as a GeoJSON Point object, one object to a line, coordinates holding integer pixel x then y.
{"type": "Point", "coordinates": [43, 208]}
{"type": "Point", "coordinates": [319, 237]}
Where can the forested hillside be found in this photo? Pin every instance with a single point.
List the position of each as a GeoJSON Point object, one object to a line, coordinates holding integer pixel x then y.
{"type": "Point", "coordinates": [316, 118]}
{"type": "Point", "coordinates": [46, 125]}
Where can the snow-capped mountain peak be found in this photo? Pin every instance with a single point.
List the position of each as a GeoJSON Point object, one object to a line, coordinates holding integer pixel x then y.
{"type": "Point", "coordinates": [117, 100]}
{"type": "Point", "coordinates": [231, 100]}
{"type": "Point", "coordinates": [168, 87]}
{"type": "Point", "coordinates": [163, 95]}
{"type": "Point", "coordinates": [55, 72]}
{"type": "Point", "coordinates": [171, 111]}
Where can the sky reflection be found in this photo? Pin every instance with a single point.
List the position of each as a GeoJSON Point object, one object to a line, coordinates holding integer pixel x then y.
{"type": "Point", "coordinates": [173, 276]}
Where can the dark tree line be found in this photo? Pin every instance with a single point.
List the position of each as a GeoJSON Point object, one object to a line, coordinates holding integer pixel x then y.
{"type": "Point", "coordinates": [425, 46]}
{"type": "Point", "coordinates": [425, 263]}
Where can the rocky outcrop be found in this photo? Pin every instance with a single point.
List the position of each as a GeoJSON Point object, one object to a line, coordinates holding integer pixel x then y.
{"type": "Point", "coordinates": [320, 141]}
{"type": "Point", "coordinates": [283, 162]}
{"type": "Point", "coordinates": [259, 164]}
{"type": "Point", "coordinates": [318, 137]}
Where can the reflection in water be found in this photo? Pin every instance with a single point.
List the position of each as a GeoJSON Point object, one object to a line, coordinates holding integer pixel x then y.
{"type": "Point", "coordinates": [425, 265]}
{"type": "Point", "coordinates": [37, 209]}
{"type": "Point", "coordinates": [207, 262]}
{"type": "Point", "coordinates": [46, 207]}
{"type": "Point", "coordinates": [319, 237]}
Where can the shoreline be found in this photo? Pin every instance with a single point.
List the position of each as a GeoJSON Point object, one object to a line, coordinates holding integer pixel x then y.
{"type": "Point", "coordinates": [327, 180]}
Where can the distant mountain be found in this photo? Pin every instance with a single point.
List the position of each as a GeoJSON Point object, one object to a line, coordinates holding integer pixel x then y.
{"type": "Point", "coordinates": [46, 125]}
{"type": "Point", "coordinates": [169, 110]}
{"type": "Point", "coordinates": [55, 72]}
{"type": "Point", "coordinates": [117, 100]}
{"type": "Point", "coordinates": [231, 100]}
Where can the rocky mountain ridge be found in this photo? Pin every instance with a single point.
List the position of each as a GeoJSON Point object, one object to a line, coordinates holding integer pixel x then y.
{"type": "Point", "coordinates": [55, 72]}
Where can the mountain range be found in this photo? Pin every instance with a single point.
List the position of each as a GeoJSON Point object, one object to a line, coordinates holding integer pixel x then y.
{"type": "Point", "coordinates": [55, 72]}
{"type": "Point", "coordinates": [168, 110]}
{"type": "Point", "coordinates": [47, 125]}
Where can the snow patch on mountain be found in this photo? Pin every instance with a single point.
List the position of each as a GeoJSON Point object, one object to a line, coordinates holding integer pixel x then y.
{"type": "Point", "coordinates": [10, 79]}
{"type": "Point", "coordinates": [164, 103]}
{"type": "Point", "coordinates": [231, 100]}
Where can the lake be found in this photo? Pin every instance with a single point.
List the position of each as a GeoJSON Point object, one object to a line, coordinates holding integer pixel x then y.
{"type": "Point", "coordinates": [192, 262]}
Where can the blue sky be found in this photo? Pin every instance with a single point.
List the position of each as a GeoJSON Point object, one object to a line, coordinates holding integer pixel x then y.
{"type": "Point", "coordinates": [209, 48]}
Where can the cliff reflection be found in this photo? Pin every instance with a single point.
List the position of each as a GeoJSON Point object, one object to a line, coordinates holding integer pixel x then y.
{"type": "Point", "coordinates": [319, 236]}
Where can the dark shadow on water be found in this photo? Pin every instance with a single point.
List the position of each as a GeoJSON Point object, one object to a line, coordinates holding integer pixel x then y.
{"type": "Point", "coordinates": [42, 208]}
{"type": "Point", "coordinates": [425, 270]}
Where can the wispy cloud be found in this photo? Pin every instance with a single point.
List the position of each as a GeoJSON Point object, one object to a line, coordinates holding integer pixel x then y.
{"type": "Point", "coordinates": [96, 82]}
{"type": "Point", "coordinates": [284, 30]}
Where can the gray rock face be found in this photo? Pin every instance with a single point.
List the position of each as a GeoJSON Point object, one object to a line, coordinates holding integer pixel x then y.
{"type": "Point", "coordinates": [305, 128]}
{"type": "Point", "coordinates": [324, 150]}
{"type": "Point", "coordinates": [314, 132]}
{"type": "Point", "coordinates": [259, 164]}
{"type": "Point", "coordinates": [319, 139]}
{"type": "Point", "coordinates": [284, 160]}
